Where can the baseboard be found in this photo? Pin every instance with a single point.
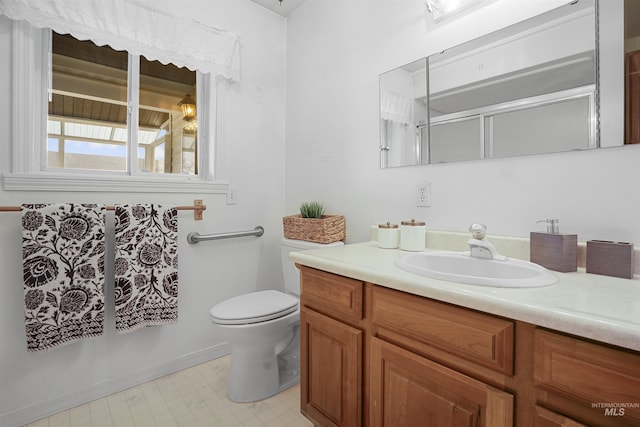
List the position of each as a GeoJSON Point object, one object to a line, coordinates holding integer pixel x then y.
{"type": "Point", "coordinates": [39, 410]}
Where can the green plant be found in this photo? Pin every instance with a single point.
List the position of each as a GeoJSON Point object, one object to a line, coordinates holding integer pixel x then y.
{"type": "Point", "coordinates": [311, 210]}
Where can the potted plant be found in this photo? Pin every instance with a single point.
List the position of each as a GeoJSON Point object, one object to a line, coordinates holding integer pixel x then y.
{"type": "Point", "coordinates": [312, 225]}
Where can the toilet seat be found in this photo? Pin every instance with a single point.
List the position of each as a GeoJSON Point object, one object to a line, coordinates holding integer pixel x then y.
{"type": "Point", "coordinates": [255, 307]}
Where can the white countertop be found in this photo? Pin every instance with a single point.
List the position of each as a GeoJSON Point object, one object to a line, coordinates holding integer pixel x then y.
{"type": "Point", "coordinates": [598, 307]}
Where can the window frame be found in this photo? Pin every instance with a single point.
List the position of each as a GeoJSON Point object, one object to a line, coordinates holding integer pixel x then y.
{"type": "Point", "coordinates": [30, 62]}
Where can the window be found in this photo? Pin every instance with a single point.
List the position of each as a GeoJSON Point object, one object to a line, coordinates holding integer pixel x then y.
{"type": "Point", "coordinates": [87, 118]}
{"type": "Point", "coordinates": [112, 120]}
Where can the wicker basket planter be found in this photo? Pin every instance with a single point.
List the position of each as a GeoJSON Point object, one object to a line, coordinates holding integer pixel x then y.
{"type": "Point", "coordinates": [328, 229]}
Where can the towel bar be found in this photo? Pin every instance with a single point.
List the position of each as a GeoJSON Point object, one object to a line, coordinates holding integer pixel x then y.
{"type": "Point", "coordinates": [195, 237]}
{"type": "Point", "coordinates": [197, 208]}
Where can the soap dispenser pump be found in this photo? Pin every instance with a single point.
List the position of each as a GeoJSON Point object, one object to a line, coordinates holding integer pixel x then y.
{"type": "Point", "coordinates": [552, 225]}
{"type": "Point", "coordinates": [552, 249]}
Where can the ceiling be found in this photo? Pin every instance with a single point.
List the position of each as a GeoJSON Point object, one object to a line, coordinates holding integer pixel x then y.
{"type": "Point", "coordinates": [66, 106]}
{"type": "Point", "coordinates": [284, 7]}
{"type": "Point", "coordinates": [67, 45]}
{"type": "Point", "coordinates": [155, 77]}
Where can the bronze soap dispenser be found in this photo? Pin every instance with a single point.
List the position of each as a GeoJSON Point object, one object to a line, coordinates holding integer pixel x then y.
{"type": "Point", "coordinates": [555, 251]}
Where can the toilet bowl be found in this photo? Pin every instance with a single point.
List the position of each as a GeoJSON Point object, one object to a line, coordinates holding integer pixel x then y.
{"type": "Point", "coordinates": [263, 330]}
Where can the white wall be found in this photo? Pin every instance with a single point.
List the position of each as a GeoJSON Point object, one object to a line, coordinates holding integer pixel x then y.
{"type": "Point", "coordinates": [335, 52]}
{"type": "Point", "coordinates": [33, 385]}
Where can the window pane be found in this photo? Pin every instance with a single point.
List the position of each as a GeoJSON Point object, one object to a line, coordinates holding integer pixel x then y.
{"type": "Point", "coordinates": [158, 158]}
{"type": "Point", "coordinates": [87, 110]}
{"type": "Point", "coordinates": [161, 120]}
{"type": "Point", "coordinates": [80, 154]}
{"type": "Point", "coordinates": [53, 152]}
{"type": "Point", "coordinates": [189, 152]}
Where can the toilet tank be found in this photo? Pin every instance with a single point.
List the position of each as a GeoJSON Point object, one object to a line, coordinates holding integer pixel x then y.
{"type": "Point", "coordinates": [289, 270]}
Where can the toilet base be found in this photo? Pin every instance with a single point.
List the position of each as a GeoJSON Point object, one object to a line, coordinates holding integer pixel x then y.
{"type": "Point", "coordinates": [289, 362]}
{"type": "Point", "coordinates": [266, 363]}
{"type": "Point", "coordinates": [288, 382]}
{"type": "Point", "coordinates": [250, 381]}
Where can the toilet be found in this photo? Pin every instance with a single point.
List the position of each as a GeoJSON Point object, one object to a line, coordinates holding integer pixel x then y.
{"type": "Point", "coordinates": [263, 330]}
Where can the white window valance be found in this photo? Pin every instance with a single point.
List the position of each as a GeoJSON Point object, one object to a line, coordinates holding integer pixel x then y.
{"type": "Point", "coordinates": [137, 27]}
{"type": "Point", "coordinates": [395, 107]}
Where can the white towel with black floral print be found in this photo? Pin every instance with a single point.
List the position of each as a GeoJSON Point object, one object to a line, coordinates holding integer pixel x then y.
{"type": "Point", "coordinates": [63, 272]}
{"type": "Point", "coordinates": [146, 266]}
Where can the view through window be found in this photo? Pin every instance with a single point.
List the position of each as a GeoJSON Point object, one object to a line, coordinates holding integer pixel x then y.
{"type": "Point", "coordinates": [88, 112]}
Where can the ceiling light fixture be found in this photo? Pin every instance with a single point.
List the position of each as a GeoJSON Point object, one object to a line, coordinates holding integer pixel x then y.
{"type": "Point", "coordinates": [440, 9]}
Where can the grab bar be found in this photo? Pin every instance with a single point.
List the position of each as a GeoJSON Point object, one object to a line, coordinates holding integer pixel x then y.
{"type": "Point", "coordinates": [195, 237]}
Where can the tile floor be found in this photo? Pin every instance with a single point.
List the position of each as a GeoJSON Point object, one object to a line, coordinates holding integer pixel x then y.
{"type": "Point", "coordinates": [194, 397]}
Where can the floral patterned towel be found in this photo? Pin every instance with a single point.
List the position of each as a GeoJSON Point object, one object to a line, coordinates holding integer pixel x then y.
{"type": "Point", "coordinates": [63, 270]}
{"type": "Point", "coordinates": [146, 266]}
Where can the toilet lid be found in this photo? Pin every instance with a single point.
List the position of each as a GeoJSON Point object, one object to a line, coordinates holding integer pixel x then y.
{"type": "Point", "coordinates": [253, 308]}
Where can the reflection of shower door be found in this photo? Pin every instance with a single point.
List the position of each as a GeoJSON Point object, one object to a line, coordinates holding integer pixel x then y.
{"type": "Point", "coordinates": [422, 144]}
{"type": "Point", "coordinates": [399, 144]}
{"type": "Point", "coordinates": [384, 144]}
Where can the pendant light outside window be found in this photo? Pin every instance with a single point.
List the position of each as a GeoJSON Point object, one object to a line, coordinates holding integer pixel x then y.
{"type": "Point", "coordinates": [188, 106]}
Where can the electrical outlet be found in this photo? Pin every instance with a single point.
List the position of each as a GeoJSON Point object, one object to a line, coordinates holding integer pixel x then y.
{"type": "Point", "coordinates": [424, 194]}
{"type": "Point", "coordinates": [231, 196]}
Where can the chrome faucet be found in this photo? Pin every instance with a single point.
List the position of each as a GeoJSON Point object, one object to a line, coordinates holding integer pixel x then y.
{"type": "Point", "coordinates": [479, 247]}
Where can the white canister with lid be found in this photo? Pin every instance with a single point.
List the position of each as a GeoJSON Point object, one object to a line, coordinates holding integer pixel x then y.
{"type": "Point", "coordinates": [412, 235]}
{"type": "Point", "coordinates": [388, 236]}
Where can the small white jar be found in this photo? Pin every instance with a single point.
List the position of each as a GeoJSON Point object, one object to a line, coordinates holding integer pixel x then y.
{"type": "Point", "coordinates": [388, 236]}
{"type": "Point", "coordinates": [412, 235]}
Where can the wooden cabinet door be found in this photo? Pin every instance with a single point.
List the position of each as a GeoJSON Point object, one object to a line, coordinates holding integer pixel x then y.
{"type": "Point", "coordinates": [409, 390]}
{"type": "Point", "coordinates": [331, 370]}
{"type": "Point", "coordinates": [546, 418]}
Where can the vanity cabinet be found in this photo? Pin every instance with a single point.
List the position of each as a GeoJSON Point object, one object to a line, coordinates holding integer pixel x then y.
{"type": "Point", "coordinates": [375, 356]}
{"type": "Point", "coordinates": [350, 350]}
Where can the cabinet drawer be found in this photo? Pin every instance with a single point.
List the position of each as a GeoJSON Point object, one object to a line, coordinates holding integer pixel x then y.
{"type": "Point", "coordinates": [331, 294]}
{"type": "Point", "coordinates": [477, 337]}
{"type": "Point", "coordinates": [604, 380]}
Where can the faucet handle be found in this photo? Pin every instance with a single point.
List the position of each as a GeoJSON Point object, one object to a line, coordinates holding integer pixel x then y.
{"type": "Point", "coordinates": [478, 231]}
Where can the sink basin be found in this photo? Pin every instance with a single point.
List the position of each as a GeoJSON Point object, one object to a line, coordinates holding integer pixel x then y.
{"type": "Point", "coordinates": [462, 268]}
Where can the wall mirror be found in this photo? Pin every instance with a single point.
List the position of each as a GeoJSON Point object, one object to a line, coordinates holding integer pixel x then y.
{"type": "Point", "coordinates": [526, 89]}
{"type": "Point", "coordinates": [403, 114]}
